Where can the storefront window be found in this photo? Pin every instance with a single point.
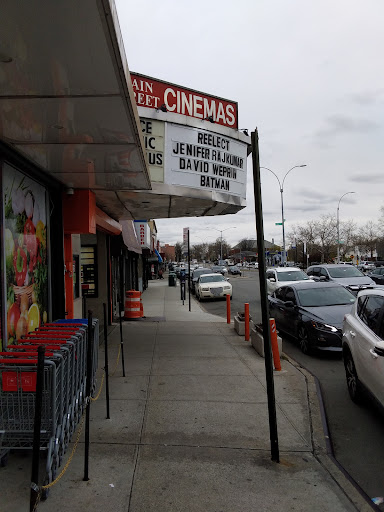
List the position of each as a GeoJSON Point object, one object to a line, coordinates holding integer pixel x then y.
{"type": "Point", "coordinates": [25, 253]}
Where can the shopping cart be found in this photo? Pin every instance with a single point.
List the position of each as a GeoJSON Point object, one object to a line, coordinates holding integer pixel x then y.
{"type": "Point", "coordinates": [64, 390]}
{"type": "Point", "coordinates": [18, 376]}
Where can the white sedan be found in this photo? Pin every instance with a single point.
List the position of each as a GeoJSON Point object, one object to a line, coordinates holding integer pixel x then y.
{"type": "Point", "coordinates": [213, 286]}
{"type": "Point", "coordinates": [280, 276]}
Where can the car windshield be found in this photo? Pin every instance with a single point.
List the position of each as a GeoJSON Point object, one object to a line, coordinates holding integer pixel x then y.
{"type": "Point", "coordinates": [344, 271]}
{"type": "Point", "coordinates": [197, 273]}
{"type": "Point", "coordinates": [212, 279]}
{"type": "Point", "coordinates": [326, 296]}
{"type": "Point", "coordinates": [293, 275]}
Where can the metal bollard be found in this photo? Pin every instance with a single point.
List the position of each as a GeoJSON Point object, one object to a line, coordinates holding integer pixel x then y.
{"type": "Point", "coordinates": [228, 299]}
{"type": "Point", "coordinates": [246, 319]}
{"type": "Point", "coordinates": [274, 344]}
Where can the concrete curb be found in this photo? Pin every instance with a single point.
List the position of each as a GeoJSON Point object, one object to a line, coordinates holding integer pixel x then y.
{"type": "Point", "coordinates": [322, 444]}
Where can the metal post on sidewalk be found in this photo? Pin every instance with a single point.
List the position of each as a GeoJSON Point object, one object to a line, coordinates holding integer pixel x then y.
{"type": "Point", "coordinates": [246, 321]}
{"type": "Point", "coordinates": [228, 299]}
{"type": "Point", "coordinates": [37, 428]}
{"type": "Point", "coordinates": [106, 369]}
{"type": "Point", "coordinates": [121, 335]}
{"type": "Point", "coordinates": [264, 299]}
{"type": "Point", "coordinates": [88, 395]}
{"type": "Point", "coordinates": [189, 274]}
{"type": "Point", "coordinates": [84, 306]}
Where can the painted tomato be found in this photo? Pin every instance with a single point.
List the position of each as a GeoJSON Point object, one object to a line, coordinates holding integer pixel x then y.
{"type": "Point", "coordinates": [12, 319]}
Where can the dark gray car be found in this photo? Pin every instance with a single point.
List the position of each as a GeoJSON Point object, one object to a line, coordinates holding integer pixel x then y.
{"type": "Point", "coordinates": [195, 276]}
{"type": "Point", "coordinates": [312, 312]}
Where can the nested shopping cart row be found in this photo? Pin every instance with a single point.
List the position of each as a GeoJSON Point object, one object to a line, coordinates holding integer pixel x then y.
{"type": "Point", "coordinates": [64, 385]}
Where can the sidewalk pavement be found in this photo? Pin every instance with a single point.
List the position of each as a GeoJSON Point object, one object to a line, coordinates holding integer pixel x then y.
{"type": "Point", "coordinates": [188, 428]}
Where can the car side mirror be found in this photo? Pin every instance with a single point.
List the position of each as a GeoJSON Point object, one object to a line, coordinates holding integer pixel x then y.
{"type": "Point", "coordinates": [272, 279]}
{"type": "Point", "coordinates": [227, 278]}
{"type": "Point", "coordinates": [323, 278]}
{"type": "Point", "coordinates": [289, 304]}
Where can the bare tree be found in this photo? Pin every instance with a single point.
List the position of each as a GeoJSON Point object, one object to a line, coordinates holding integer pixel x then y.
{"type": "Point", "coordinates": [326, 234]}
{"type": "Point", "coordinates": [368, 237]}
{"type": "Point", "coordinates": [178, 251]}
{"type": "Point", "coordinates": [348, 231]}
{"type": "Point", "coordinates": [199, 251]}
{"type": "Point", "coordinates": [246, 245]}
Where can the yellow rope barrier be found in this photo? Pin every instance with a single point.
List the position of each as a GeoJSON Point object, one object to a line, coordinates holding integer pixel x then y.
{"type": "Point", "coordinates": [101, 387]}
{"type": "Point", "coordinates": [54, 482]}
{"type": "Point", "coordinates": [117, 362]}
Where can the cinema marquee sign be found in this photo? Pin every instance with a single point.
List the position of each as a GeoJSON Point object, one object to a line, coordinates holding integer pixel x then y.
{"type": "Point", "coordinates": [201, 159]}
{"type": "Point", "coordinates": [153, 93]}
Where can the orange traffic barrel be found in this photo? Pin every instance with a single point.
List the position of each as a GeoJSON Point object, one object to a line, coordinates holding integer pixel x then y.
{"type": "Point", "coordinates": [132, 307]}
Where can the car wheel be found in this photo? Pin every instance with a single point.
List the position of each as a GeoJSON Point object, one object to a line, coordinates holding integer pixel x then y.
{"type": "Point", "coordinates": [353, 382]}
{"type": "Point", "coordinates": [199, 297]}
{"type": "Point", "coordinates": [303, 337]}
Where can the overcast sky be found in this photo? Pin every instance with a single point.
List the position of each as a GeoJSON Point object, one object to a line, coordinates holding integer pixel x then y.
{"type": "Point", "coordinates": [308, 74]}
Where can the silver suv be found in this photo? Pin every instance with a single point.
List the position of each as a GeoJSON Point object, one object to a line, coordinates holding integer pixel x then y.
{"type": "Point", "coordinates": [347, 275]}
{"type": "Point", "coordinates": [363, 345]}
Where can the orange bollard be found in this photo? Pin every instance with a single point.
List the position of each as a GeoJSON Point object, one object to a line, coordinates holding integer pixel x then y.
{"type": "Point", "coordinates": [246, 319]}
{"type": "Point", "coordinates": [228, 298]}
{"type": "Point", "coordinates": [275, 346]}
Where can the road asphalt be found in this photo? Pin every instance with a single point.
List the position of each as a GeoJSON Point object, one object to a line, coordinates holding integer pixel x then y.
{"type": "Point", "coordinates": [188, 428]}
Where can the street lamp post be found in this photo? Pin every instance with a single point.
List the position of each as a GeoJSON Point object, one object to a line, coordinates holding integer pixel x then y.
{"type": "Point", "coordinates": [281, 185]}
{"type": "Point", "coordinates": [221, 239]}
{"type": "Point", "coordinates": [338, 225]}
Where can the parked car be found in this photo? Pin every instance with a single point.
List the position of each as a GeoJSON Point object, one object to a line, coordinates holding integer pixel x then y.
{"type": "Point", "coordinates": [220, 269]}
{"type": "Point", "coordinates": [347, 275]}
{"type": "Point", "coordinates": [279, 276]}
{"type": "Point", "coordinates": [312, 312]}
{"type": "Point", "coordinates": [363, 346]}
{"type": "Point", "coordinates": [213, 286]}
{"type": "Point", "coordinates": [195, 276]}
{"type": "Point", "coordinates": [377, 275]}
{"type": "Point", "coordinates": [234, 270]}
{"type": "Point", "coordinates": [366, 265]}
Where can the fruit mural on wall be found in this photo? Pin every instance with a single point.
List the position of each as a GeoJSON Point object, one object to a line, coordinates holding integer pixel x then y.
{"type": "Point", "coordinates": [25, 248]}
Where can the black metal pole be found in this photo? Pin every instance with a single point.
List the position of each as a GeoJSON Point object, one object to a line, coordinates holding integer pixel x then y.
{"type": "Point", "coordinates": [106, 358]}
{"type": "Point", "coordinates": [189, 274]}
{"type": "Point", "coordinates": [84, 306]}
{"type": "Point", "coordinates": [88, 395]}
{"type": "Point", "coordinates": [121, 336]}
{"type": "Point", "coordinates": [37, 427]}
{"type": "Point", "coordinates": [264, 300]}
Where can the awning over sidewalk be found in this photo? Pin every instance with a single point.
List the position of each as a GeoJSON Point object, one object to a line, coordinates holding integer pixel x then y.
{"type": "Point", "coordinates": [66, 99]}
{"type": "Point", "coordinates": [129, 236]}
{"type": "Point", "coordinates": [158, 256]}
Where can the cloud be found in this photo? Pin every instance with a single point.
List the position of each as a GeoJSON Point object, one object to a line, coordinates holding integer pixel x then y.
{"type": "Point", "coordinates": [367, 178]}
{"type": "Point", "coordinates": [310, 194]}
{"type": "Point", "coordinates": [341, 125]}
{"type": "Point", "coordinates": [310, 207]}
{"type": "Point", "coordinates": [368, 97]}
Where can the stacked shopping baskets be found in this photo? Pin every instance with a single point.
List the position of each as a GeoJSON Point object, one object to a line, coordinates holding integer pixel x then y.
{"type": "Point", "coordinates": [64, 385]}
